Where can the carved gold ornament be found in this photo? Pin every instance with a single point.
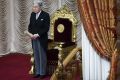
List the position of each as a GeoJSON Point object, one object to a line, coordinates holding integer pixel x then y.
{"type": "Point", "coordinates": [64, 13]}
{"type": "Point", "coordinates": [60, 28]}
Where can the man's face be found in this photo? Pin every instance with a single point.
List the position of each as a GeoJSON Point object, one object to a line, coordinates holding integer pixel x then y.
{"type": "Point", "coordinates": [36, 8]}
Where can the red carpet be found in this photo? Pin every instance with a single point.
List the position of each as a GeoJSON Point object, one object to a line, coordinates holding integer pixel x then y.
{"type": "Point", "coordinates": [16, 67]}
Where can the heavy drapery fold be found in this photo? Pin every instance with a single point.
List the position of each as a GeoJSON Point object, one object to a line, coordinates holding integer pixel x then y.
{"type": "Point", "coordinates": [99, 23]}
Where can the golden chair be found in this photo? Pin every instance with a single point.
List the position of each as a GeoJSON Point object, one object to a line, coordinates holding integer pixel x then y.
{"type": "Point", "coordinates": [63, 33]}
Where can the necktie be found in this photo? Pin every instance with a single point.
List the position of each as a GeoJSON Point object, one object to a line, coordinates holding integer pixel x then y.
{"type": "Point", "coordinates": [37, 15]}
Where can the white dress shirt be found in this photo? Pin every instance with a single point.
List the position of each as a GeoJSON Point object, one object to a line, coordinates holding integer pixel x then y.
{"type": "Point", "coordinates": [37, 15]}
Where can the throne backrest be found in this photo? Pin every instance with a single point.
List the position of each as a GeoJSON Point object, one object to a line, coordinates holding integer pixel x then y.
{"type": "Point", "coordinates": [63, 26]}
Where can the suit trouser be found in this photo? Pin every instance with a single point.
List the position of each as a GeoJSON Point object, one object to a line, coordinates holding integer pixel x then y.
{"type": "Point", "coordinates": [39, 57]}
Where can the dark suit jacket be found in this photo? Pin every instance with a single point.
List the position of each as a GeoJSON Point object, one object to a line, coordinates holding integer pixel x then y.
{"type": "Point", "coordinates": [40, 26]}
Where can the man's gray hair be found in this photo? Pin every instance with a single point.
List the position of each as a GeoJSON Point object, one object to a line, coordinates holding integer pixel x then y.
{"type": "Point", "coordinates": [38, 2]}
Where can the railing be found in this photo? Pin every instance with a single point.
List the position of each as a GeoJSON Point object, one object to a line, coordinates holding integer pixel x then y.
{"type": "Point", "coordinates": [69, 70]}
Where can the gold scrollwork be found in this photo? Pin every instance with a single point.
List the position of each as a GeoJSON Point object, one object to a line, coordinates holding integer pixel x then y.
{"type": "Point", "coordinates": [63, 12]}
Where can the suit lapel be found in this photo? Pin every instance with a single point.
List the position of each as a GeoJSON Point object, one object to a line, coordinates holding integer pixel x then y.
{"type": "Point", "coordinates": [41, 14]}
{"type": "Point", "coordinates": [34, 16]}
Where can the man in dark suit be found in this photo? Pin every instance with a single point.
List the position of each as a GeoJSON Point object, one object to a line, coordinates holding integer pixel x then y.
{"type": "Point", "coordinates": [38, 28]}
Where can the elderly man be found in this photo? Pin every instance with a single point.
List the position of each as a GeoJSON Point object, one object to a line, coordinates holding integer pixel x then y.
{"type": "Point", "coordinates": [38, 27]}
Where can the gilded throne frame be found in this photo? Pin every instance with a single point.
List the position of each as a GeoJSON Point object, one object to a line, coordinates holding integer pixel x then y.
{"type": "Point", "coordinates": [66, 15]}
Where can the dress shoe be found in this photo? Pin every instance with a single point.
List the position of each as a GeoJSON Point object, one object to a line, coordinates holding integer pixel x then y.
{"type": "Point", "coordinates": [42, 76]}
{"type": "Point", "coordinates": [36, 76]}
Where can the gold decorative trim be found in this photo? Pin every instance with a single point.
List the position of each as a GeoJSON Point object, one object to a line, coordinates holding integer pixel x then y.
{"type": "Point", "coordinates": [60, 28]}
{"type": "Point", "coordinates": [64, 12]}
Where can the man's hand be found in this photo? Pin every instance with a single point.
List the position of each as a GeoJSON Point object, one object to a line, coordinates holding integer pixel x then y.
{"type": "Point", "coordinates": [29, 34]}
{"type": "Point", "coordinates": [34, 36]}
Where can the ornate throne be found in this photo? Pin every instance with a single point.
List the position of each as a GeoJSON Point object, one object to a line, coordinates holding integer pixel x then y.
{"type": "Point", "coordinates": [63, 33]}
{"type": "Point", "coordinates": [63, 26]}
